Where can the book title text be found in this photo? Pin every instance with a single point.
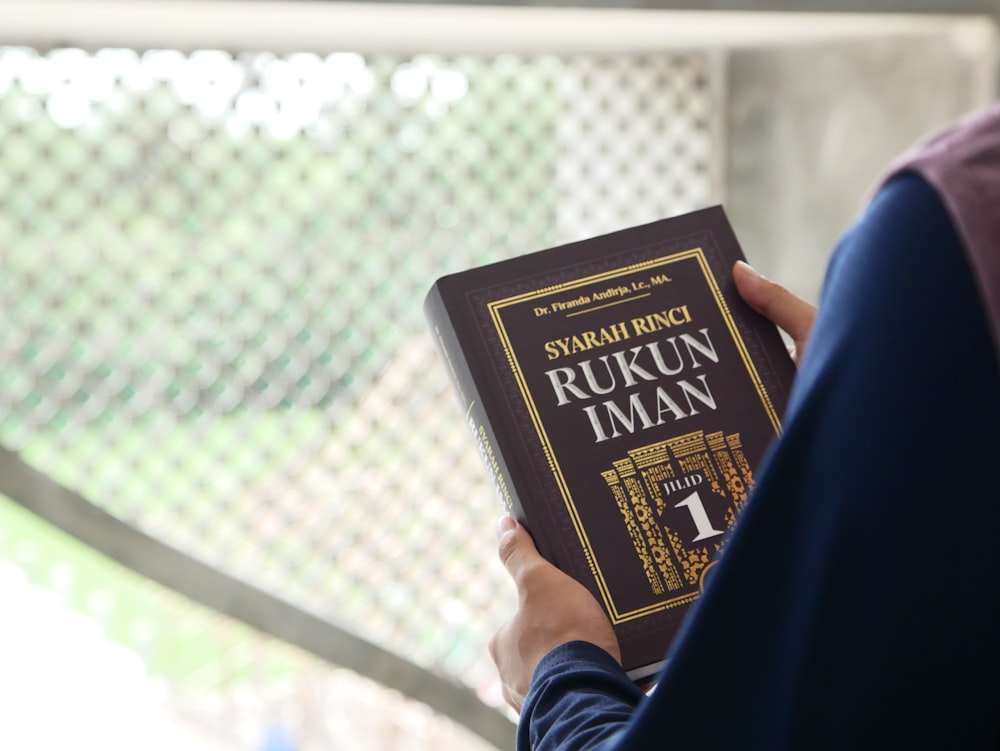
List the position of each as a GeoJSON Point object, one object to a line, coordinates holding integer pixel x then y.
{"type": "Point", "coordinates": [629, 370]}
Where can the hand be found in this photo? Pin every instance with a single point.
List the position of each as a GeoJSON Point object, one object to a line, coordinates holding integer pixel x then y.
{"type": "Point", "coordinates": [553, 609]}
{"type": "Point", "coordinates": [790, 313]}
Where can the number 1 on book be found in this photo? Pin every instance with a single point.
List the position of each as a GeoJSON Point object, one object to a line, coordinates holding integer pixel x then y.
{"type": "Point", "coordinates": [699, 516]}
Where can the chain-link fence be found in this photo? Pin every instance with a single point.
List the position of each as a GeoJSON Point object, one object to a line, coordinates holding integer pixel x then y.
{"type": "Point", "coordinates": [213, 267]}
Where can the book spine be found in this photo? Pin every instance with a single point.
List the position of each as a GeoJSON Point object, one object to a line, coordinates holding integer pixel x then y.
{"type": "Point", "coordinates": [460, 366]}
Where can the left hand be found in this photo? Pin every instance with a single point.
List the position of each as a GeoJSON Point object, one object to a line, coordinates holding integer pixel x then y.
{"type": "Point", "coordinates": [553, 609]}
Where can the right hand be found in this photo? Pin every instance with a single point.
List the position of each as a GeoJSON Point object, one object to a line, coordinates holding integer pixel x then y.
{"type": "Point", "coordinates": [788, 312]}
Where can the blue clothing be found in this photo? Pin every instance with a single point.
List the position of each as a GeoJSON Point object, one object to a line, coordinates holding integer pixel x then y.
{"type": "Point", "coordinates": [857, 605]}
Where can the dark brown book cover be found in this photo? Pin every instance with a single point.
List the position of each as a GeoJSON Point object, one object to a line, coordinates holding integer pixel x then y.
{"type": "Point", "coordinates": [621, 395]}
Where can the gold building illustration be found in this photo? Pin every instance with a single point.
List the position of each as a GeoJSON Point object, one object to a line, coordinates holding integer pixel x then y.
{"type": "Point", "coordinates": [677, 498]}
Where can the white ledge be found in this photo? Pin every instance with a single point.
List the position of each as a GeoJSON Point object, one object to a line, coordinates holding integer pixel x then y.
{"type": "Point", "coordinates": [324, 27]}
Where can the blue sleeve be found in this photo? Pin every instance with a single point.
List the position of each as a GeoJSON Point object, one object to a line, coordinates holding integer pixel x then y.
{"type": "Point", "coordinates": [857, 605]}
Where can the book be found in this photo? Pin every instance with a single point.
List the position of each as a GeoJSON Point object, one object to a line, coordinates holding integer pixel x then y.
{"type": "Point", "coordinates": [621, 395]}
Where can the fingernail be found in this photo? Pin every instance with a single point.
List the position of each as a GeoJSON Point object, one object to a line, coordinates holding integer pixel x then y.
{"type": "Point", "coordinates": [750, 269]}
{"type": "Point", "coordinates": [505, 524]}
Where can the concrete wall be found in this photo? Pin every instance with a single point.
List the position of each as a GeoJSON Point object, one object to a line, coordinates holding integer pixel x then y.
{"type": "Point", "coordinates": [808, 128]}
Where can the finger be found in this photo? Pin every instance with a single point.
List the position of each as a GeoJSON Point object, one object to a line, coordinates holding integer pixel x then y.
{"type": "Point", "coordinates": [516, 549]}
{"type": "Point", "coordinates": [786, 310]}
{"type": "Point", "coordinates": [505, 524]}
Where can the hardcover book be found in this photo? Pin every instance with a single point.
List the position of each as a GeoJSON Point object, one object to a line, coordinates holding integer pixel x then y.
{"type": "Point", "coordinates": [621, 395]}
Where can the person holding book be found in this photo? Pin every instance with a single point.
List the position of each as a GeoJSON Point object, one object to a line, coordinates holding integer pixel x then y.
{"type": "Point", "coordinates": [856, 605]}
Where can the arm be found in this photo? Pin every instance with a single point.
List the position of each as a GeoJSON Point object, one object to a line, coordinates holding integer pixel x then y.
{"type": "Point", "coordinates": [846, 612]}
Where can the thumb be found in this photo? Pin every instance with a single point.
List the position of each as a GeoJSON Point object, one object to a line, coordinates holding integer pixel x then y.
{"type": "Point", "coordinates": [515, 547]}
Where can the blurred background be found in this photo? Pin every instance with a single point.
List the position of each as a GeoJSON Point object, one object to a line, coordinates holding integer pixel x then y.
{"type": "Point", "coordinates": [238, 505]}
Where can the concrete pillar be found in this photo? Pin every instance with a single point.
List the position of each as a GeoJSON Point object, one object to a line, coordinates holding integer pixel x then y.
{"type": "Point", "coordinates": [808, 129]}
